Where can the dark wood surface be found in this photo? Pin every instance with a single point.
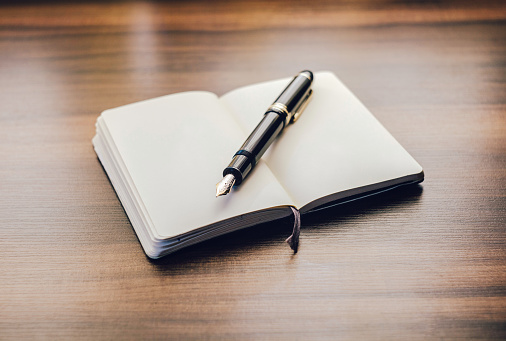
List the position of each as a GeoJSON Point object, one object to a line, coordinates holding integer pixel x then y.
{"type": "Point", "coordinates": [425, 262]}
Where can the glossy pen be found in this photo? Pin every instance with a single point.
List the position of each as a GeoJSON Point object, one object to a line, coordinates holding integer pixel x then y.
{"type": "Point", "coordinates": [285, 110]}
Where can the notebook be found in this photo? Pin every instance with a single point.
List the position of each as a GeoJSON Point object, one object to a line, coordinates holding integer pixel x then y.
{"type": "Point", "coordinates": [165, 155]}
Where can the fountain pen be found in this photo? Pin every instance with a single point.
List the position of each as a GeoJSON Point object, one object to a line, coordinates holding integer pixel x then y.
{"type": "Point", "coordinates": [286, 109]}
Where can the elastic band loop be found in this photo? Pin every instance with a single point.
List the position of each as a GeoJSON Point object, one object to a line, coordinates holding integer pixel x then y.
{"type": "Point", "coordinates": [293, 240]}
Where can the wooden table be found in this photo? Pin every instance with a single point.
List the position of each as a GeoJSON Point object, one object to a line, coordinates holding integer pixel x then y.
{"type": "Point", "coordinates": [424, 262]}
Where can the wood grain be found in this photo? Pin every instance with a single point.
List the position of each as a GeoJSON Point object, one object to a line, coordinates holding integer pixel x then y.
{"type": "Point", "coordinates": [425, 262]}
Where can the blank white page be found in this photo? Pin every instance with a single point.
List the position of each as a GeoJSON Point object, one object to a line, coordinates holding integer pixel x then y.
{"type": "Point", "coordinates": [336, 144]}
{"type": "Point", "coordinates": [174, 149]}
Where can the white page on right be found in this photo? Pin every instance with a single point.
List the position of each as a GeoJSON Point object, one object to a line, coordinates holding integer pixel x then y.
{"type": "Point", "coordinates": [336, 145]}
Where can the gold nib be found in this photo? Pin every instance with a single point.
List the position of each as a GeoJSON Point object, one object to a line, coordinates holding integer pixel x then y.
{"type": "Point", "coordinates": [223, 187]}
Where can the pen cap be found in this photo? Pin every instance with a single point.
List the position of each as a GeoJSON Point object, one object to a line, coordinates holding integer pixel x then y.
{"type": "Point", "coordinates": [295, 92]}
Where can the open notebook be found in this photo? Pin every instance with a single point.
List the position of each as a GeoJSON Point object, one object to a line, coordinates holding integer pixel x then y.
{"type": "Point", "coordinates": [164, 156]}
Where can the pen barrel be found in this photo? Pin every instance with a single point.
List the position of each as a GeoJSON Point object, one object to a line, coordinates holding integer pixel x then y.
{"type": "Point", "coordinates": [295, 91]}
{"type": "Point", "coordinates": [255, 145]}
{"type": "Point", "coordinates": [279, 114]}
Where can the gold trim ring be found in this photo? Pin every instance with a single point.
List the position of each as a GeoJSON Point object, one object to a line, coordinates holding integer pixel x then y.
{"type": "Point", "coordinates": [280, 107]}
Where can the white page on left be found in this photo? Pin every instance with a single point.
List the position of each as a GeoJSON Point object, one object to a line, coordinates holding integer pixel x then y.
{"type": "Point", "coordinates": [174, 149]}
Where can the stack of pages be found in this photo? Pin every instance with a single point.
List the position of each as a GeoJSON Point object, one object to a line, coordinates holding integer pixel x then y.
{"type": "Point", "coordinates": [164, 157]}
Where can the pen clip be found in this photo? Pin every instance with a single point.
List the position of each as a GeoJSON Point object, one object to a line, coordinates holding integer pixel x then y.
{"type": "Point", "coordinates": [303, 104]}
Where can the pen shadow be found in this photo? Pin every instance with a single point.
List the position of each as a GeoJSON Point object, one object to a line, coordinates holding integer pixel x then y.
{"type": "Point", "coordinates": [256, 239]}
